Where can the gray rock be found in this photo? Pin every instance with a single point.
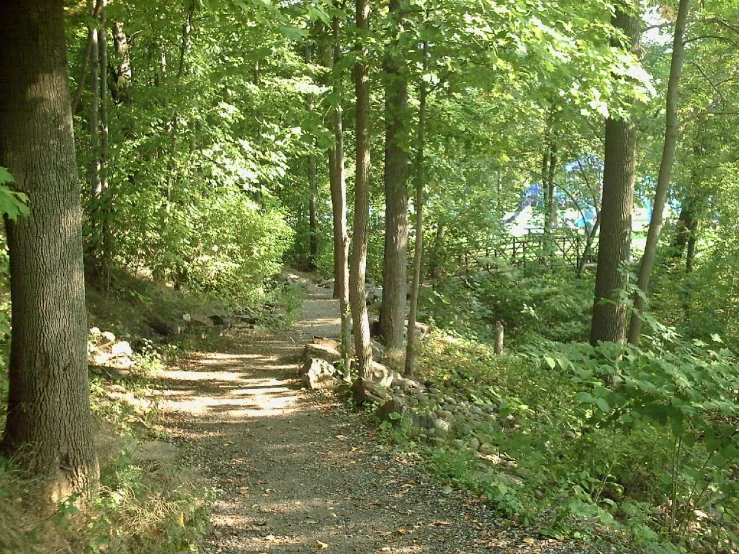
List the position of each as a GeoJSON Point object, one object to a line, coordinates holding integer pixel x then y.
{"type": "Point", "coordinates": [442, 427]}
{"type": "Point", "coordinates": [319, 374]}
{"type": "Point", "coordinates": [488, 449]}
{"type": "Point", "coordinates": [473, 443]}
{"type": "Point", "coordinates": [462, 429]}
{"type": "Point", "coordinates": [459, 444]}
{"type": "Point", "coordinates": [444, 414]}
{"type": "Point", "coordinates": [323, 352]}
{"type": "Point", "coordinates": [391, 411]}
{"type": "Point", "coordinates": [476, 410]}
{"type": "Point", "coordinates": [365, 390]}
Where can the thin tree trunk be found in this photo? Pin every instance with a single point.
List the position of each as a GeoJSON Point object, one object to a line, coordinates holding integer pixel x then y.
{"type": "Point", "coordinates": [665, 169]}
{"type": "Point", "coordinates": [121, 92]}
{"type": "Point", "coordinates": [312, 188]}
{"type": "Point", "coordinates": [358, 262]}
{"type": "Point", "coordinates": [85, 59]}
{"type": "Point", "coordinates": [410, 349]}
{"type": "Point", "coordinates": [94, 125]}
{"type": "Point", "coordinates": [105, 206]}
{"type": "Point", "coordinates": [312, 216]}
{"type": "Point", "coordinates": [49, 426]}
{"type": "Point", "coordinates": [394, 280]}
{"type": "Point", "coordinates": [611, 278]}
{"type": "Point", "coordinates": [338, 199]}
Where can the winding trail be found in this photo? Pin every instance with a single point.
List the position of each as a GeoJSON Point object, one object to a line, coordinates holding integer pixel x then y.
{"type": "Point", "coordinates": [300, 472]}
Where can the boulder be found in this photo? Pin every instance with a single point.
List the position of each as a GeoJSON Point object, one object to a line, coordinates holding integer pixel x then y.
{"type": "Point", "coordinates": [317, 374]}
{"type": "Point", "coordinates": [366, 390]}
{"type": "Point", "coordinates": [380, 374]}
{"type": "Point", "coordinates": [387, 409]}
{"type": "Point", "coordinates": [331, 355]}
{"type": "Point", "coordinates": [327, 284]}
{"type": "Point", "coordinates": [122, 348]}
{"type": "Point", "coordinates": [325, 341]}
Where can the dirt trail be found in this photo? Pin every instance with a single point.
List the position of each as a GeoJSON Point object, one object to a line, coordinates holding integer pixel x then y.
{"type": "Point", "coordinates": [300, 473]}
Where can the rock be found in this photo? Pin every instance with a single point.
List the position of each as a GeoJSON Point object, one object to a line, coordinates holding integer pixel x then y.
{"type": "Point", "coordinates": [462, 429]}
{"type": "Point", "coordinates": [387, 410]}
{"type": "Point", "coordinates": [381, 374]}
{"type": "Point", "coordinates": [319, 374]}
{"type": "Point", "coordinates": [441, 427]}
{"type": "Point", "coordinates": [365, 390]}
{"type": "Point", "coordinates": [444, 414]}
{"type": "Point", "coordinates": [406, 385]}
{"type": "Point", "coordinates": [378, 350]}
{"type": "Point", "coordinates": [473, 443]}
{"type": "Point", "coordinates": [476, 410]}
{"type": "Point", "coordinates": [122, 348]}
{"type": "Point", "coordinates": [101, 358]}
{"type": "Point", "coordinates": [488, 449]}
{"type": "Point", "coordinates": [95, 332]}
{"type": "Point", "coordinates": [107, 337]}
{"type": "Point", "coordinates": [459, 444]}
{"type": "Point", "coordinates": [422, 329]}
{"type": "Point", "coordinates": [327, 284]}
{"type": "Point", "coordinates": [424, 421]}
{"type": "Point", "coordinates": [450, 400]}
{"type": "Point", "coordinates": [372, 293]}
{"type": "Point", "coordinates": [325, 341]}
{"type": "Point", "coordinates": [327, 353]}
{"type": "Point", "coordinates": [220, 321]}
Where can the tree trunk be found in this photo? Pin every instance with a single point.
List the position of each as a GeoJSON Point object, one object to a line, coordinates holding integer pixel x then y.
{"type": "Point", "coordinates": [358, 262]}
{"type": "Point", "coordinates": [49, 426]}
{"type": "Point", "coordinates": [91, 35]}
{"type": "Point", "coordinates": [105, 207]}
{"type": "Point", "coordinates": [410, 349]}
{"type": "Point", "coordinates": [665, 169]}
{"type": "Point", "coordinates": [338, 199]}
{"type": "Point", "coordinates": [394, 285]}
{"type": "Point", "coordinates": [94, 126]}
{"type": "Point", "coordinates": [312, 188]}
{"type": "Point", "coordinates": [121, 91]}
{"type": "Point", "coordinates": [611, 278]}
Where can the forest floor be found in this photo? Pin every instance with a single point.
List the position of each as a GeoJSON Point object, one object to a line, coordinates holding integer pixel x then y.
{"type": "Point", "coordinates": [299, 472]}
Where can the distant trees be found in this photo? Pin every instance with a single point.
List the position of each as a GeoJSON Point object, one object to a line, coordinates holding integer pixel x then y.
{"type": "Point", "coordinates": [48, 424]}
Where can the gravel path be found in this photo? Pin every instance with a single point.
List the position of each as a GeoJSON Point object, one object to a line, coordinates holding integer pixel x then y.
{"type": "Point", "coordinates": [301, 473]}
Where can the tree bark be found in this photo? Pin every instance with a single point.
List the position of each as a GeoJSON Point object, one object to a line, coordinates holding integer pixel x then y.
{"type": "Point", "coordinates": [410, 349]}
{"type": "Point", "coordinates": [358, 262]}
{"type": "Point", "coordinates": [104, 207]}
{"type": "Point", "coordinates": [394, 280]}
{"type": "Point", "coordinates": [338, 199]}
{"type": "Point", "coordinates": [49, 426]}
{"type": "Point", "coordinates": [312, 188]}
{"type": "Point", "coordinates": [121, 86]}
{"type": "Point", "coordinates": [665, 169]}
{"type": "Point", "coordinates": [611, 278]}
{"type": "Point", "coordinates": [85, 59]}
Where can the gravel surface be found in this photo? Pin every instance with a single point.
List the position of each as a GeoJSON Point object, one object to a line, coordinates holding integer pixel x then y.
{"type": "Point", "coordinates": [298, 472]}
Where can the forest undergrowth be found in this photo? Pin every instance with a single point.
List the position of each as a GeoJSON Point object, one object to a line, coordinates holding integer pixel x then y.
{"type": "Point", "coordinates": [618, 443]}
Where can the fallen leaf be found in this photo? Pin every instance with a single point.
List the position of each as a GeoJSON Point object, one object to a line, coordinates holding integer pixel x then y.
{"type": "Point", "coordinates": [529, 540]}
{"type": "Point", "coordinates": [322, 544]}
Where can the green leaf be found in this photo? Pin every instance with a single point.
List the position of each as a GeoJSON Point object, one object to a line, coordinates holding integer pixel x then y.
{"type": "Point", "coordinates": [550, 362]}
{"type": "Point", "coordinates": [5, 176]}
{"type": "Point", "coordinates": [584, 397]}
{"type": "Point", "coordinates": [603, 405]}
{"type": "Point", "coordinates": [294, 33]}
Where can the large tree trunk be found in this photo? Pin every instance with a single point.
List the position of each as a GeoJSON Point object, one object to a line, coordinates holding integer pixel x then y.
{"type": "Point", "coordinates": [392, 311]}
{"type": "Point", "coordinates": [665, 169]}
{"type": "Point", "coordinates": [358, 262]}
{"type": "Point", "coordinates": [410, 349]}
{"type": "Point", "coordinates": [338, 199]}
{"type": "Point", "coordinates": [611, 278]}
{"type": "Point", "coordinates": [49, 425]}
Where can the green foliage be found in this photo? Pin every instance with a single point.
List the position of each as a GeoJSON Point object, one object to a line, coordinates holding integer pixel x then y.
{"type": "Point", "coordinates": [12, 204]}
{"type": "Point", "coordinates": [531, 305]}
